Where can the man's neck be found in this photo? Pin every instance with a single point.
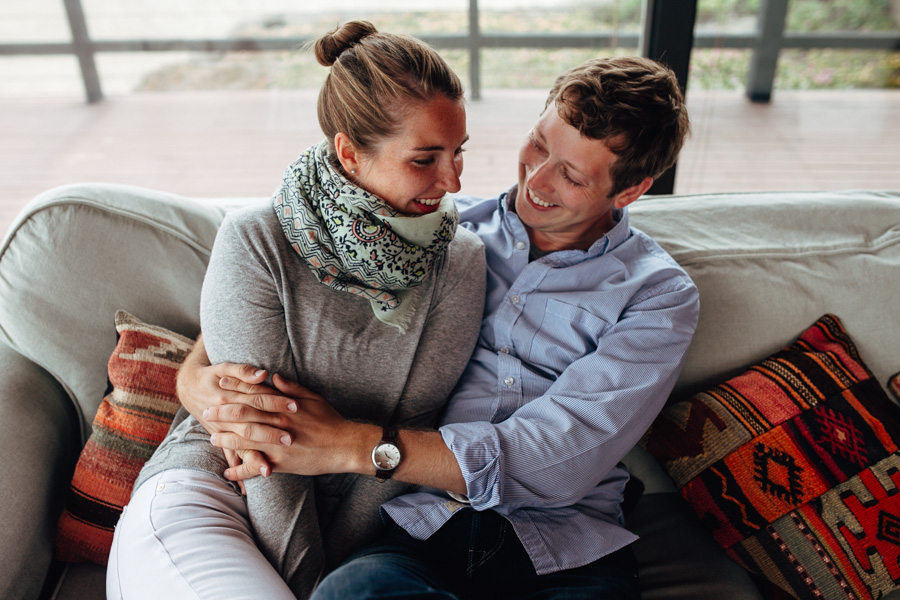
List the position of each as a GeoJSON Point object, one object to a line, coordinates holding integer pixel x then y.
{"type": "Point", "coordinates": [554, 242]}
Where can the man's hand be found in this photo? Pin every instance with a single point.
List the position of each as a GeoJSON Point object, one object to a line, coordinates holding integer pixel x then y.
{"type": "Point", "coordinates": [201, 386]}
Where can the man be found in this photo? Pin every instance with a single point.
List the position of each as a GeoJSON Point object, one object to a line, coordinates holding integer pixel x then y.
{"type": "Point", "coordinates": [586, 326]}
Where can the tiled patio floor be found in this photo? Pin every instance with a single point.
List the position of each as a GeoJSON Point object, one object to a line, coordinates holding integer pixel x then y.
{"type": "Point", "coordinates": [238, 143]}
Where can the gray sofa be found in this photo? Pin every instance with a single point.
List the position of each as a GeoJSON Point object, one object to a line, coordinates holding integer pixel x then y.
{"type": "Point", "coordinates": [767, 265]}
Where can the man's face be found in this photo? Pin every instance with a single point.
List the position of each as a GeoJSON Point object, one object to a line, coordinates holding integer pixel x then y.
{"type": "Point", "coordinates": [564, 185]}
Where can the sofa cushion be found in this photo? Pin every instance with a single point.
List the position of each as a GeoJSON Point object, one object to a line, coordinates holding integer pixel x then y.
{"type": "Point", "coordinates": [131, 422]}
{"type": "Point", "coordinates": [793, 466]}
{"type": "Point", "coordinates": [679, 560]}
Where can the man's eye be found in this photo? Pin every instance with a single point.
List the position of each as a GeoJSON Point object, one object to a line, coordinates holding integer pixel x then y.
{"type": "Point", "coordinates": [570, 181]}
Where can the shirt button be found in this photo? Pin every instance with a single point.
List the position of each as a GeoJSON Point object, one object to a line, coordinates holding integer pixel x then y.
{"type": "Point", "coordinates": [509, 381]}
{"type": "Point", "coordinates": [160, 487]}
{"type": "Point", "coordinates": [520, 245]}
{"type": "Point", "coordinates": [504, 350]}
{"type": "Point", "coordinates": [514, 298]}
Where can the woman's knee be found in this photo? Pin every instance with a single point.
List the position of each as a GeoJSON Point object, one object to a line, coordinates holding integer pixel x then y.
{"type": "Point", "coordinates": [168, 518]}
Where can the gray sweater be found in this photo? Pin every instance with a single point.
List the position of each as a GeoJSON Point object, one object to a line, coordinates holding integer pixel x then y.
{"type": "Point", "coordinates": [261, 305]}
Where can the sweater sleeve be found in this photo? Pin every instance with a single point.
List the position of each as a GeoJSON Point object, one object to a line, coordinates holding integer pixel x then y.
{"type": "Point", "coordinates": [241, 314]}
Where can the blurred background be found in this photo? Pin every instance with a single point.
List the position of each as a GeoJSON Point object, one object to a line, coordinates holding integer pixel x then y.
{"type": "Point", "coordinates": [215, 98]}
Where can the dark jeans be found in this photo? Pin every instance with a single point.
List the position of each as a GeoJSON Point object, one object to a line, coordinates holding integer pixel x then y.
{"type": "Point", "coordinates": [475, 556]}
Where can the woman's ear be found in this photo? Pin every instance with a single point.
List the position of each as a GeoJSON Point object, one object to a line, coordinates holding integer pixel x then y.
{"type": "Point", "coordinates": [347, 154]}
{"type": "Point", "coordinates": [629, 195]}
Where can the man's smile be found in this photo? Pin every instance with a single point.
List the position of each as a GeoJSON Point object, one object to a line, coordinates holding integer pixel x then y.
{"type": "Point", "coordinates": [537, 201]}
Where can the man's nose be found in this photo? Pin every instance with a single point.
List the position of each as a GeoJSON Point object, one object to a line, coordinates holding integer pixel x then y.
{"type": "Point", "coordinates": [539, 178]}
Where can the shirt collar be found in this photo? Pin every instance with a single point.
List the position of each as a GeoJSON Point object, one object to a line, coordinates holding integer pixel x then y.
{"type": "Point", "coordinates": [613, 238]}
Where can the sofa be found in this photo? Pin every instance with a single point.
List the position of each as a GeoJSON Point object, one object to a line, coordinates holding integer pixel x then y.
{"type": "Point", "coordinates": [767, 266]}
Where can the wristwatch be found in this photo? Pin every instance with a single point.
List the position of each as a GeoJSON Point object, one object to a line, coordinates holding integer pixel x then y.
{"type": "Point", "coordinates": [386, 455]}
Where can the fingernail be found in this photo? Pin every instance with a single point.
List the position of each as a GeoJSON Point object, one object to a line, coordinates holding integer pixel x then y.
{"type": "Point", "coordinates": [286, 440]}
{"type": "Point", "coordinates": [224, 382]}
{"type": "Point", "coordinates": [213, 439]}
{"type": "Point", "coordinates": [259, 373]}
{"type": "Point", "coordinates": [292, 407]}
{"type": "Point", "coordinates": [206, 414]}
{"type": "Point", "coordinates": [264, 471]}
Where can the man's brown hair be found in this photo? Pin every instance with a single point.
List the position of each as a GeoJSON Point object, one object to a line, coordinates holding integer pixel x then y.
{"type": "Point", "coordinates": [633, 104]}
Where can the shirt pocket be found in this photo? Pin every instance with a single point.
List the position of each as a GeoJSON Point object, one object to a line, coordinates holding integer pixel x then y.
{"type": "Point", "coordinates": [567, 333]}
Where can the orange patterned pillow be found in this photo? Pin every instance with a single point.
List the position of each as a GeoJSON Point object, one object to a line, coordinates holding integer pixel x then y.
{"type": "Point", "coordinates": [794, 466]}
{"type": "Point", "coordinates": [131, 422]}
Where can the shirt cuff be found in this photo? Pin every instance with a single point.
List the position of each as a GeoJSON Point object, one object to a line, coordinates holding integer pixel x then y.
{"type": "Point", "coordinates": [477, 451]}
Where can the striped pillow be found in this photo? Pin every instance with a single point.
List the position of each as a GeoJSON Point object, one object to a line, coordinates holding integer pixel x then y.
{"type": "Point", "coordinates": [131, 422]}
{"type": "Point", "coordinates": [794, 467]}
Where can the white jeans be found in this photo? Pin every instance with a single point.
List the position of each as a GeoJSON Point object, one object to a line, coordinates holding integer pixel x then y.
{"type": "Point", "coordinates": [186, 534]}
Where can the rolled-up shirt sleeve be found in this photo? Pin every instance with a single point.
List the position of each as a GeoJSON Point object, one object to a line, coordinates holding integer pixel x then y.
{"type": "Point", "coordinates": [554, 449]}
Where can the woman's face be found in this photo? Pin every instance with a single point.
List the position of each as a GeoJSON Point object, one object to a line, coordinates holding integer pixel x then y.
{"type": "Point", "coordinates": [413, 169]}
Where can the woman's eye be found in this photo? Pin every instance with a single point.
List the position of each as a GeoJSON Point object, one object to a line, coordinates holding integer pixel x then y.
{"type": "Point", "coordinates": [423, 162]}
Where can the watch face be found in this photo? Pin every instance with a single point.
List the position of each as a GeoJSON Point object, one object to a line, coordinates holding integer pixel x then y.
{"type": "Point", "coordinates": [386, 456]}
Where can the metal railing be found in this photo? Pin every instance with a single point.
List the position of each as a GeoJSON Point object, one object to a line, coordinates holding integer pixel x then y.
{"type": "Point", "coordinates": [766, 43]}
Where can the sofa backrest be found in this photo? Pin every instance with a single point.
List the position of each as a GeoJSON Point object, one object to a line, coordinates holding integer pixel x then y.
{"type": "Point", "coordinates": [769, 264]}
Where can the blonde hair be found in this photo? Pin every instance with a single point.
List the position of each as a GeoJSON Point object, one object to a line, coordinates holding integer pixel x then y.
{"type": "Point", "coordinates": [375, 79]}
{"type": "Point", "coordinates": [633, 104]}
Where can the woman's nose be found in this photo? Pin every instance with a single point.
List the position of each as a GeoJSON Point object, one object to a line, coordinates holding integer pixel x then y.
{"type": "Point", "coordinates": [450, 176]}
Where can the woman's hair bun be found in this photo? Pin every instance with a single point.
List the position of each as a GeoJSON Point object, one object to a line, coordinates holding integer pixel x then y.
{"type": "Point", "coordinates": [331, 45]}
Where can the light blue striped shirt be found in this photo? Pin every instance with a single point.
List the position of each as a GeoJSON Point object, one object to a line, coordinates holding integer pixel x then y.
{"type": "Point", "coordinates": [577, 354]}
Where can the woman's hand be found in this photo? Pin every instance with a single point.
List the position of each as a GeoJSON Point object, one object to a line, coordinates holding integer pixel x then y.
{"type": "Point", "coordinates": [201, 386]}
{"type": "Point", "coordinates": [318, 439]}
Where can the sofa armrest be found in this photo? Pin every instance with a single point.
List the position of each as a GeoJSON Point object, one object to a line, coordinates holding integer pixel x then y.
{"type": "Point", "coordinates": [39, 441]}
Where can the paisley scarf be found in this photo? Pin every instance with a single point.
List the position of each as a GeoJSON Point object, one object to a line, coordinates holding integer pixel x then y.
{"type": "Point", "coordinates": [354, 242]}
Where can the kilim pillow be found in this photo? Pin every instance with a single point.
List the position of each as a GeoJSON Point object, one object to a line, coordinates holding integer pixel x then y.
{"type": "Point", "coordinates": [131, 422]}
{"type": "Point", "coordinates": [793, 466]}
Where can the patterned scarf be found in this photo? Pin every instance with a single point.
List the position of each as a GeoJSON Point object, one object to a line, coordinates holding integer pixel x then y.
{"type": "Point", "coordinates": [354, 242]}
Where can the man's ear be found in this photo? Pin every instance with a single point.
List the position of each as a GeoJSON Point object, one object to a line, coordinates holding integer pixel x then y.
{"type": "Point", "coordinates": [629, 195]}
{"type": "Point", "coordinates": [347, 153]}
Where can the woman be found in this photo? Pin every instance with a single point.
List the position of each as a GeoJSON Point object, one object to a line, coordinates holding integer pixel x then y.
{"type": "Point", "coordinates": [354, 282]}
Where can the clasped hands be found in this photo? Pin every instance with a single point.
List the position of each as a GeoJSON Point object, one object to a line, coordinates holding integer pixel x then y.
{"type": "Point", "coordinates": [263, 429]}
